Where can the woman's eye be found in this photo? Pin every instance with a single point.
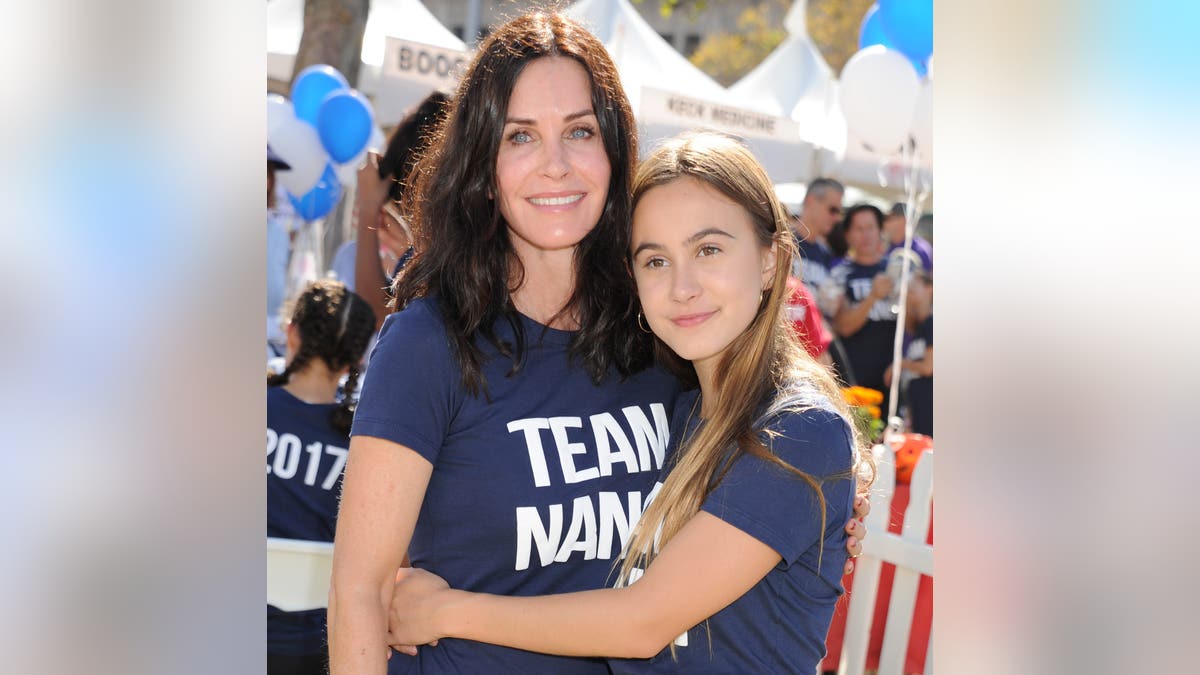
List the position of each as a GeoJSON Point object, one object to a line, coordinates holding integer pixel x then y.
{"type": "Point", "coordinates": [520, 137]}
{"type": "Point", "coordinates": [709, 249]}
{"type": "Point", "coordinates": [653, 263]}
{"type": "Point", "coordinates": [582, 132]}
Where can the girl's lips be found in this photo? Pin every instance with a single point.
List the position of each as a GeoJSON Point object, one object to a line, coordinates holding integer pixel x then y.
{"type": "Point", "coordinates": [689, 320]}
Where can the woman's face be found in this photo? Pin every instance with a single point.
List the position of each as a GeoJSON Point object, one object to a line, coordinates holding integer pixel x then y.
{"type": "Point", "coordinates": [552, 172]}
{"type": "Point", "coordinates": [700, 269]}
{"type": "Point", "coordinates": [864, 237]}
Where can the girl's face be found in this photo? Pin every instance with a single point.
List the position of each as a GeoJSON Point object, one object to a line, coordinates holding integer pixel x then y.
{"type": "Point", "coordinates": [552, 173]}
{"type": "Point", "coordinates": [700, 269]}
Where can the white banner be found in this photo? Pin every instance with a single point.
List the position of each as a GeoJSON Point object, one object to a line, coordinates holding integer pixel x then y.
{"type": "Point", "coordinates": [661, 107]}
{"type": "Point", "coordinates": [415, 61]}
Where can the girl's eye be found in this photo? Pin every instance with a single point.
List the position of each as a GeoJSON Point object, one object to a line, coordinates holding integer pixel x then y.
{"type": "Point", "coordinates": [653, 263]}
{"type": "Point", "coordinates": [709, 249]}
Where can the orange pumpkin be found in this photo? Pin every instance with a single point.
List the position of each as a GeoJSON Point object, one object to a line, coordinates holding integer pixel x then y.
{"type": "Point", "coordinates": [908, 450]}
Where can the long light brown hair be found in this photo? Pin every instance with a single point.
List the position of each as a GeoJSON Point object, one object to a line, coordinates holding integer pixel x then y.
{"type": "Point", "coordinates": [763, 373]}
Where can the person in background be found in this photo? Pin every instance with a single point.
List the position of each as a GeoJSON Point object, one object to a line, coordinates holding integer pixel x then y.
{"type": "Point", "coordinates": [279, 250]}
{"type": "Point", "coordinates": [864, 320]}
{"type": "Point", "coordinates": [383, 243]}
{"type": "Point", "coordinates": [820, 211]}
{"type": "Point", "coordinates": [916, 368]}
{"type": "Point", "coordinates": [893, 227]}
{"type": "Point", "coordinates": [307, 440]}
{"type": "Point", "coordinates": [806, 318]}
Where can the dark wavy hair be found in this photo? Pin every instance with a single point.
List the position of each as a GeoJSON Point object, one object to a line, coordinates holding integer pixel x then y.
{"type": "Point", "coordinates": [465, 258]}
{"type": "Point", "coordinates": [408, 139]}
{"type": "Point", "coordinates": [335, 326]}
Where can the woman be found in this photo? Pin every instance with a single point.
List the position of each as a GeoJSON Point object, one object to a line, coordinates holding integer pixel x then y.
{"type": "Point", "coordinates": [307, 436]}
{"type": "Point", "coordinates": [383, 245]}
{"type": "Point", "coordinates": [865, 321]}
{"type": "Point", "coordinates": [510, 404]}
{"type": "Point", "coordinates": [746, 528]}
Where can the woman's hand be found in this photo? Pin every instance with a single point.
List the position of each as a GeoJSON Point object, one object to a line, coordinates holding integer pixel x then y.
{"type": "Point", "coordinates": [416, 597]}
{"type": "Point", "coordinates": [857, 530]}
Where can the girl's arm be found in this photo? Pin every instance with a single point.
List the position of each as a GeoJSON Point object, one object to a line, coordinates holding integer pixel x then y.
{"type": "Point", "coordinates": [382, 492]}
{"type": "Point", "coordinates": [703, 568]}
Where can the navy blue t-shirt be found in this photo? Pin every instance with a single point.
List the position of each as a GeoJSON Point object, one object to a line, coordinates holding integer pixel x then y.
{"type": "Point", "coordinates": [532, 493]}
{"type": "Point", "coordinates": [305, 458]}
{"type": "Point", "coordinates": [780, 624]}
{"type": "Point", "coordinates": [920, 389]}
{"type": "Point", "coordinates": [813, 264]}
{"type": "Point", "coordinates": [869, 351]}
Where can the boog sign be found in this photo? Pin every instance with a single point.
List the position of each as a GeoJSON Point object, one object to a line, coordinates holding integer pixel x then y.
{"type": "Point", "coordinates": [415, 61]}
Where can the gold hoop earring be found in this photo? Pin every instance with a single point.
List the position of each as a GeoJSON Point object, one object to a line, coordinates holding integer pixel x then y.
{"type": "Point", "coordinates": [640, 319]}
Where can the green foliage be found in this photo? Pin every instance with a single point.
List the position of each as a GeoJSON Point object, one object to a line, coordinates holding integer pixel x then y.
{"type": "Point", "coordinates": [727, 57]}
{"type": "Point", "coordinates": [833, 27]}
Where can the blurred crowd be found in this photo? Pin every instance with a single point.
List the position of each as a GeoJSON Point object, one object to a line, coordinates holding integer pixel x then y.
{"type": "Point", "coordinates": [849, 271]}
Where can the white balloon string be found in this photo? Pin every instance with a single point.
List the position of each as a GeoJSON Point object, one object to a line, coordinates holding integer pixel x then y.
{"type": "Point", "coordinates": [912, 211]}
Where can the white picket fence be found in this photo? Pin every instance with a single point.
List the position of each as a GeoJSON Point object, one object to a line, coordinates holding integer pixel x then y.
{"type": "Point", "coordinates": [912, 558]}
{"type": "Point", "coordinates": [298, 573]}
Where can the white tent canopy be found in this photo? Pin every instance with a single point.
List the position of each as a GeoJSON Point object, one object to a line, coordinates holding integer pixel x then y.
{"type": "Point", "coordinates": [407, 20]}
{"type": "Point", "coordinates": [668, 94]}
{"type": "Point", "coordinates": [795, 80]}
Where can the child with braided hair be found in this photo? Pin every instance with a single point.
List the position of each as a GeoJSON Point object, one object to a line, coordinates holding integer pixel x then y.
{"type": "Point", "coordinates": [307, 440]}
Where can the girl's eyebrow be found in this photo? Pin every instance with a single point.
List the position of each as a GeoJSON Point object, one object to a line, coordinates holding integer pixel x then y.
{"type": "Point", "coordinates": [529, 121]}
{"type": "Point", "coordinates": [690, 240]}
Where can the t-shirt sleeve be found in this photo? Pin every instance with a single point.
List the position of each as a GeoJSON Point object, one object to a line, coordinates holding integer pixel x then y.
{"type": "Point", "coordinates": [411, 388]}
{"type": "Point", "coordinates": [776, 506]}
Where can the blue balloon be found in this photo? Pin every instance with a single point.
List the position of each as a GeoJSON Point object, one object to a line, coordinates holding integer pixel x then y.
{"type": "Point", "coordinates": [871, 33]}
{"type": "Point", "coordinates": [344, 123]}
{"type": "Point", "coordinates": [311, 87]}
{"type": "Point", "coordinates": [871, 30]}
{"type": "Point", "coordinates": [908, 25]}
{"type": "Point", "coordinates": [321, 199]}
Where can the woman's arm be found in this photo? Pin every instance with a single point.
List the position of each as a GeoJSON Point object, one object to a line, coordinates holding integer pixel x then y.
{"type": "Point", "coordinates": [382, 493]}
{"type": "Point", "coordinates": [850, 318]}
{"type": "Point", "coordinates": [704, 568]}
{"type": "Point", "coordinates": [371, 193]}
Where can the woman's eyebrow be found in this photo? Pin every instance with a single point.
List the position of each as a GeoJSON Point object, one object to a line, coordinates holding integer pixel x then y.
{"type": "Point", "coordinates": [529, 121]}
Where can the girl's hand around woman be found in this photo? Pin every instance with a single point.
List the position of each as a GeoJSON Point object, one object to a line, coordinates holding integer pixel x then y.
{"type": "Point", "coordinates": [857, 531]}
{"type": "Point", "coordinates": [416, 597]}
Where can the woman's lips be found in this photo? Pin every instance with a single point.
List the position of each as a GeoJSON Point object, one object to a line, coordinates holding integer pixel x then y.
{"type": "Point", "coordinates": [556, 200]}
{"type": "Point", "coordinates": [689, 320]}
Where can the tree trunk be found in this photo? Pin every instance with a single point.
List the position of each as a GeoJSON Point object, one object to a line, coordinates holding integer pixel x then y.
{"type": "Point", "coordinates": [333, 34]}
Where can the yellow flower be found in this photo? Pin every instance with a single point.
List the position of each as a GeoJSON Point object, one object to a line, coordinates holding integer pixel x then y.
{"type": "Point", "coordinates": [862, 396]}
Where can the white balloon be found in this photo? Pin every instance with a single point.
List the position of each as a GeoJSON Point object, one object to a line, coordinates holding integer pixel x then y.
{"type": "Point", "coordinates": [299, 145]}
{"type": "Point", "coordinates": [348, 173]}
{"type": "Point", "coordinates": [279, 109]}
{"type": "Point", "coordinates": [922, 124]}
{"type": "Point", "coordinates": [878, 93]}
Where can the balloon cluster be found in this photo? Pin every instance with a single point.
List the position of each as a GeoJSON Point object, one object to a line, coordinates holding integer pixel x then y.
{"type": "Point", "coordinates": [886, 88]}
{"type": "Point", "coordinates": [324, 133]}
